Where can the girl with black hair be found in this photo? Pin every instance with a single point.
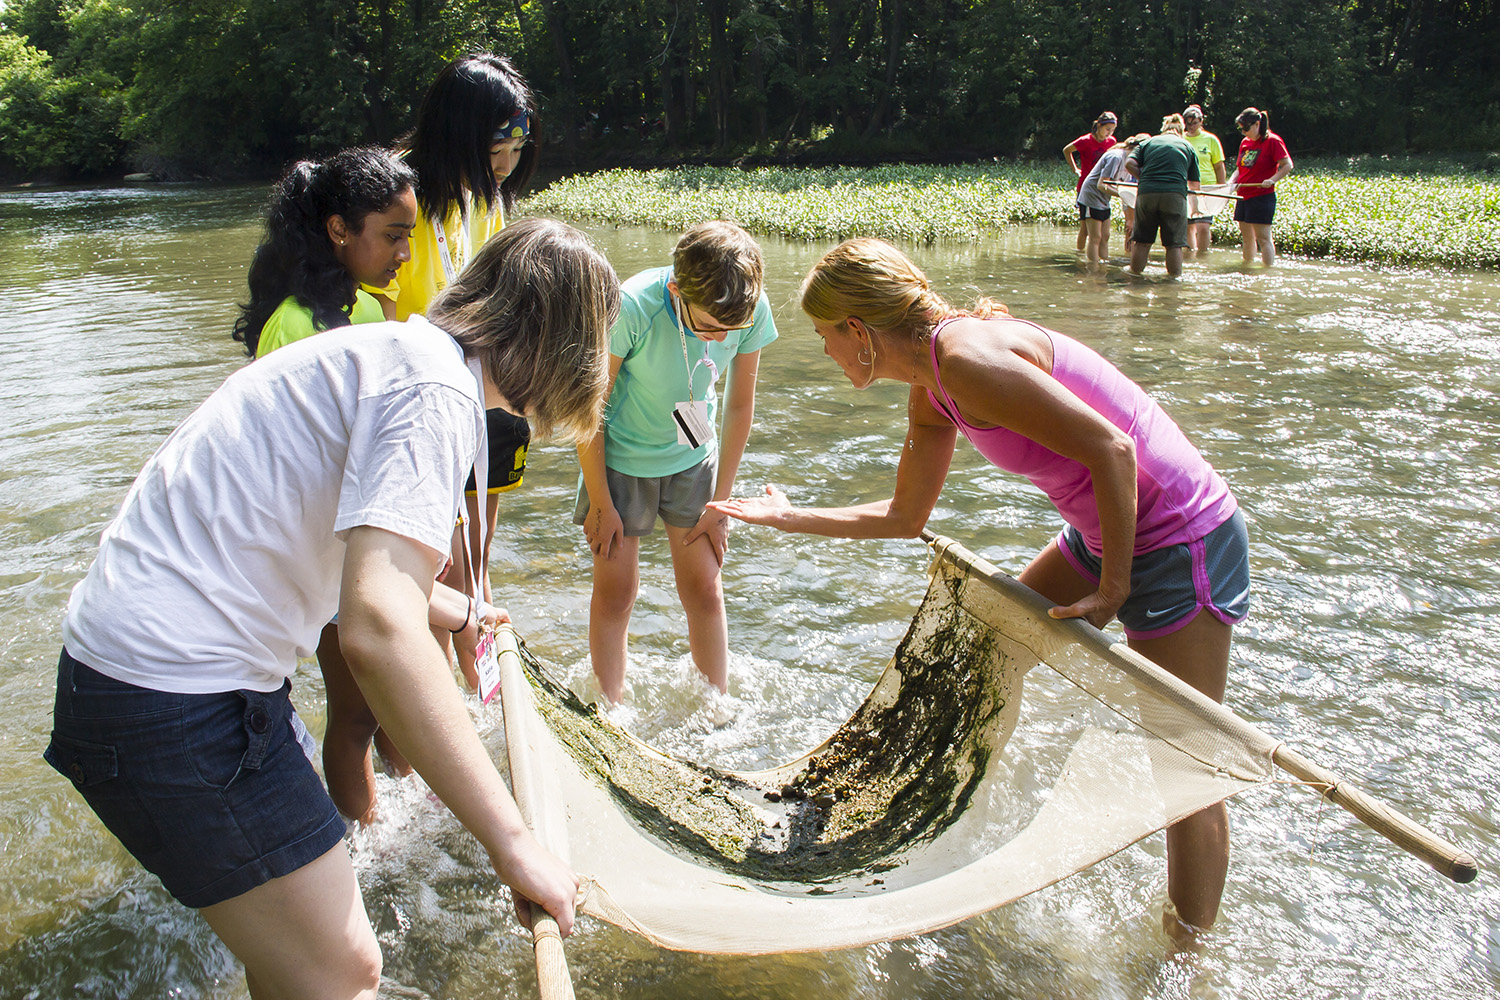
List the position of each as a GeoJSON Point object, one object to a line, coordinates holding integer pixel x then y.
{"type": "Point", "coordinates": [1262, 160]}
{"type": "Point", "coordinates": [330, 227]}
{"type": "Point", "coordinates": [333, 226]}
{"type": "Point", "coordinates": [473, 153]}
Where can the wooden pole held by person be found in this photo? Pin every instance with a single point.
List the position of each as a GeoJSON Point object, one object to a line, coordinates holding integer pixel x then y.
{"type": "Point", "coordinates": [1404, 832]}
{"type": "Point", "coordinates": [552, 976]}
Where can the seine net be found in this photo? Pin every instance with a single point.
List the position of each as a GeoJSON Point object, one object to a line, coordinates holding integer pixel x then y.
{"type": "Point", "coordinates": [967, 779]}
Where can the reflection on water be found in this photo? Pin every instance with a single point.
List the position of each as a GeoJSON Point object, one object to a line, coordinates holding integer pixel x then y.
{"type": "Point", "coordinates": [1352, 409]}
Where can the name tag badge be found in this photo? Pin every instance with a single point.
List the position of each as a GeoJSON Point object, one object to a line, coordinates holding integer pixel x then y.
{"type": "Point", "coordinates": [691, 419]}
{"type": "Point", "coordinates": [487, 663]}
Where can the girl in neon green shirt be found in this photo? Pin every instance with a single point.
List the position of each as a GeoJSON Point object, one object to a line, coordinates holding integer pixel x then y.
{"type": "Point", "coordinates": [331, 226]}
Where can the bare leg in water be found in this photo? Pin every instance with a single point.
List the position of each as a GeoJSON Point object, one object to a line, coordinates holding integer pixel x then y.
{"type": "Point", "coordinates": [1198, 653]}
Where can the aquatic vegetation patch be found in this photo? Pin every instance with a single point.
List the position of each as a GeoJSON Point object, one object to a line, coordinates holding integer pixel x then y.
{"type": "Point", "coordinates": [1453, 221]}
{"type": "Point", "coordinates": [1348, 212]}
{"type": "Point", "coordinates": [899, 203]}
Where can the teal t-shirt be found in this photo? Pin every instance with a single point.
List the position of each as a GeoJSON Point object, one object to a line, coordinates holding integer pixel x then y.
{"type": "Point", "coordinates": [1209, 151]}
{"type": "Point", "coordinates": [292, 321]}
{"type": "Point", "coordinates": [1167, 163]}
{"type": "Point", "coordinates": [640, 437]}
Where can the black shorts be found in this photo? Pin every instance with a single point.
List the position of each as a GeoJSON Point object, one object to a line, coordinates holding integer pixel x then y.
{"type": "Point", "coordinates": [509, 437]}
{"type": "Point", "coordinates": [1257, 211]}
{"type": "Point", "coordinates": [1097, 214]}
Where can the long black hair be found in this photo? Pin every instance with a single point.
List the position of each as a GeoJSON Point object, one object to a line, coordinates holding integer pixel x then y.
{"type": "Point", "coordinates": [296, 257]}
{"type": "Point", "coordinates": [456, 125]}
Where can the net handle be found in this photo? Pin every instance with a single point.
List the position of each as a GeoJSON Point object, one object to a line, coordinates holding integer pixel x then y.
{"type": "Point", "coordinates": [553, 979]}
{"type": "Point", "coordinates": [1403, 831]}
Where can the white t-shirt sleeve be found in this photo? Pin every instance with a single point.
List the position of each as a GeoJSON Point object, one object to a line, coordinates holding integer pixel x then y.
{"type": "Point", "coordinates": [409, 453]}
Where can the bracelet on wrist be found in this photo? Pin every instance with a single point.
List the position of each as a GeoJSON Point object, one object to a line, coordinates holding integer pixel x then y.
{"type": "Point", "coordinates": [467, 617]}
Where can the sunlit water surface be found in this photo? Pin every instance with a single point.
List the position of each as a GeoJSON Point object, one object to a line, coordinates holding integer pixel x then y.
{"type": "Point", "coordinates": [1353, 410]}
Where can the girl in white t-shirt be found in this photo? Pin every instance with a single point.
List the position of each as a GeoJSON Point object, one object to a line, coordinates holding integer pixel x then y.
{"type": "Point", "coordinates": [324, 477]}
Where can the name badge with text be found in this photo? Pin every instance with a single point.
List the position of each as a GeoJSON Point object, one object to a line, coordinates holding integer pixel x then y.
{"type": "Point", "coordinates": [691, 419]}
{"type": "Point", "coordinates": [487, 664]}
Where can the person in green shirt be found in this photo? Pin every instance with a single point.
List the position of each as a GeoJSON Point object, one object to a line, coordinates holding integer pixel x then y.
{"type": "Point", "coordinates": [1210, 164]}
{"type": "Point", "coordinates": [1167, 169]}
{"type": "Point", "coordinates": [330, 227]}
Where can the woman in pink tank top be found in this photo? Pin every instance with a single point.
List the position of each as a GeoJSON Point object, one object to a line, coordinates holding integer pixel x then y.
{"type": "Point", "coordinates": [1152, 533]}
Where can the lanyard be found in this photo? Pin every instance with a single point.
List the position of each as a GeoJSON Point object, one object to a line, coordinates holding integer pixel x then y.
{"type": "Point", "coordinates": [473, 555]}
{"type": "Point", "coordinates": [465, 228]}
{"type": "Point", "coordinates": [692, 369]}
{"type": "Point", "coordinates": [449, 271]}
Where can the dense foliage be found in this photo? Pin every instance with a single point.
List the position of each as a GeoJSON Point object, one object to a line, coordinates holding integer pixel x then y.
{"type": "Point", "coordinates": [215, 86]}
{"type": "Point", "coordinates": [1353, 210]}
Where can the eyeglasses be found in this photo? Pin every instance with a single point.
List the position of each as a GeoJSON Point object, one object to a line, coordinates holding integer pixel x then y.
{"type": "Point", "coordinates": [698, 329]}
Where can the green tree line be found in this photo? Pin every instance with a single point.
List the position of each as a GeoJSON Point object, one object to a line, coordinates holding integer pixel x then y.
{"type": "Point", "coordinates": [223, 87]}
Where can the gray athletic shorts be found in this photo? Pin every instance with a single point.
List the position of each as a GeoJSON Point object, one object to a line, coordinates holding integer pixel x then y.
{"type": "Point", "coordinates": [1169, 586]}
{"type": "Point", "coordinates": [678, 499]}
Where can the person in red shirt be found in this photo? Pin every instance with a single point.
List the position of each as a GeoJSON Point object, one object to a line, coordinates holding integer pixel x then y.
{"type": "Point", "coordinates": [1082, 153]}
{"type": "Point", "coordinates": [1261, 161]}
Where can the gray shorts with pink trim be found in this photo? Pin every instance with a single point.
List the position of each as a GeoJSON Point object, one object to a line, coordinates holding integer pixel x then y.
{"type": "Point", "coordinates": [1169, 586]}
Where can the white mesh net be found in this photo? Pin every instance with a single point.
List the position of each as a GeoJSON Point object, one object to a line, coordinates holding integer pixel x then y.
{"type": "Point", "coordinates": [947, 794]}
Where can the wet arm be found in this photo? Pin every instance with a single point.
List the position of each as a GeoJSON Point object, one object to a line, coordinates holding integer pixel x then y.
{"type": "Point", "coordinates": [602, 525]}
{"type": "Point", "coordinates": [1069, 154]}
{"type": "Point", "coordinates": [1000, 387]}
{"type": "Point", "coordinates": [1283, 167]}
{"type": "Point", "coordinates": [925, 458]}
{"type": "Point", "coordinates": [739, 415]}
{"type": "Point", "coordinates": [383, 612]}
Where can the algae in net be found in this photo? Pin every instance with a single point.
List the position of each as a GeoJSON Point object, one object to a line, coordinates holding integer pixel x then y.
{"type": "Point", "coordinates": [902, 770]}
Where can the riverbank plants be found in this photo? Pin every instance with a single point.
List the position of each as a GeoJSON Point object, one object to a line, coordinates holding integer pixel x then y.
{"type": "Point", "coordinates": [1413, 213]}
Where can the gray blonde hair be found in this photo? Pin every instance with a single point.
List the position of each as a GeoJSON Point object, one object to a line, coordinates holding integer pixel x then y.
{"type": "Point", "coordinates": [1173, 124]}
{"type": "Point", "coordinates": [536, 306]}
{"type": "Point", "coordinates": [719, 268]}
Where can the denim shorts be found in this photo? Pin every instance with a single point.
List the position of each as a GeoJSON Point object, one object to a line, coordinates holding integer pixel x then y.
{"type": "Point", "coordinates": [214, 794]}
{"type": "Point", "coordinates": [1169, 586]}
{"type": "Point", "coordinates": [679, 499]}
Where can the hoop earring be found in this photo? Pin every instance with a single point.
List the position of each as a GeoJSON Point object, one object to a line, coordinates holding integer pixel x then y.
{"type": "Point", "coordinates": [867, 361]}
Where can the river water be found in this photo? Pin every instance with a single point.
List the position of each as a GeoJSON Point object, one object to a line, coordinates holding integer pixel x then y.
{"type": "Point", "coordinates": [1355, 410]}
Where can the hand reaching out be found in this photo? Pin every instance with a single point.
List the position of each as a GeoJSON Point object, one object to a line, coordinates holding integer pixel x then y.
{"type": "Point", "coordinates": [769, 509]}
